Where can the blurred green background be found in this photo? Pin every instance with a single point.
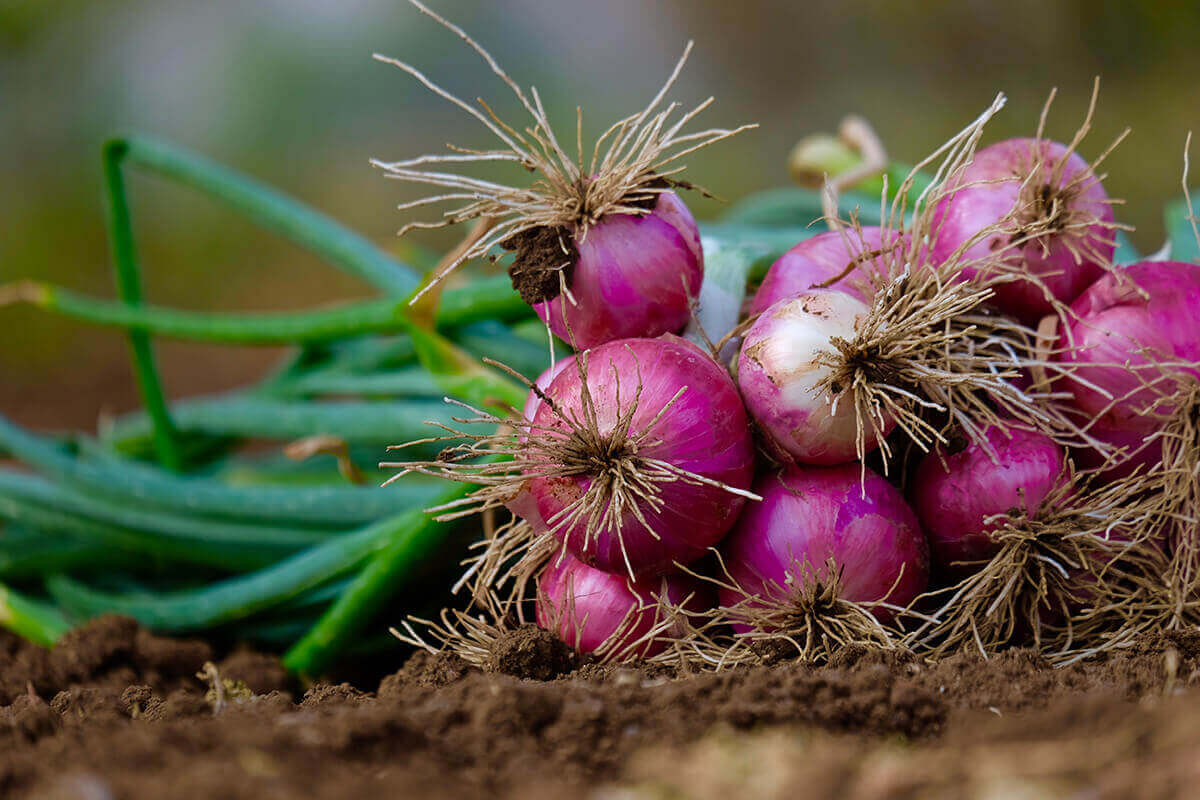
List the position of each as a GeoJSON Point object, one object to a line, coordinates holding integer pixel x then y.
{"type": "Point", "coordinates": [286, 90]}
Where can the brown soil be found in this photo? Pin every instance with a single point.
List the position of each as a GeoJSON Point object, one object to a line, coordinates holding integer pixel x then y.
{"type": "Point", "coordinates": [541, 254]}
{"type": "Point", "coordinates": [114, 712]}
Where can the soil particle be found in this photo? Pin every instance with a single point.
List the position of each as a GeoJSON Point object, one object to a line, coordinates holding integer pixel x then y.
{"type": "Point", "coordinates": [531, 652]}
{"type": "Point", "coordinates": [426, 670]}
{"type": "Point", "coordinates": [541, 254]}
{"type": "Point", "coordinates": [260, 673]}
{"type": "Point", "coordinates": [871, 724]}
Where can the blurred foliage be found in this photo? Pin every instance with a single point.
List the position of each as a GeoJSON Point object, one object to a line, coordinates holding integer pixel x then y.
{"type": "Point", "coordinates": [285, 89]}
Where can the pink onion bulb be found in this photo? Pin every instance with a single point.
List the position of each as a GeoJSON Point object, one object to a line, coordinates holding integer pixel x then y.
{"type": "Point", "coordinates": [681, 471]}
{"type": "Point", "coordinates": [635, 277]}
{"type": "Point", "coordinates": [811, 514]}
{"type": "Point", "coordinates": [587, 607]}
{"type": "Point", "coordinates": [778, 377]}
{"type": "Point", "coordinates": [819, 260]}
{"type": "Point", "coordinates": [954, 500]}
{"type": "Point", "coordinates": [1074, 208]}
{"type": "Point", "coordinates": [1148, 314]}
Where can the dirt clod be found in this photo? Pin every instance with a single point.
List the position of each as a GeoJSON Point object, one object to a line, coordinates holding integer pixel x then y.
{"type": "Point", "coordinates": [544, 260]}
{"type": "Point", "coordinates": [530, 652]}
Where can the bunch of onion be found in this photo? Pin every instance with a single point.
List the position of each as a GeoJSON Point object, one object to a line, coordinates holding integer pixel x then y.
{"type": "Point", "coordinates": [603, 248]}
{"type": "Point", "coordinates": [1033, 550]}
{"type": "Point", "coordinates": [830, 371]}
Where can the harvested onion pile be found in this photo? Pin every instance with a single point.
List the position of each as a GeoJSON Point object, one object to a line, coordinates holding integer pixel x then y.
{"type": "Point", "coordinates": [958, 415]}
{"type": "Point", "coordinates": [965, 427]}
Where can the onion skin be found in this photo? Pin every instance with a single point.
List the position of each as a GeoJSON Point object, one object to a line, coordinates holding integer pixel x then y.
{"type": "Point", "coordinates": [777, 377]}
{"type": "Point", "coordinates": [601, 601]}
{"type": "Point", "coordinates": [635, 277]}
{"type": "Point", "coordinates": [1002, 168]}
{"type": "Point", "coordinates": [817, 261]}
{"type": "Point", "coordinates": [705, 432]}
{"type": "Point", "coordinates": [1113, 323]}
{"type": "Point", "coordinates": [810, 514]}
{"type": "Point", "coordinates": [532, 401]}
{"type": "Point", "coordinates": [953, 500]}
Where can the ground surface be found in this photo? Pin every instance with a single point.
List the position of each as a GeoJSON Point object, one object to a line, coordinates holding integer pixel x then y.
{"type": "Point", "coordinates": [114, 712]}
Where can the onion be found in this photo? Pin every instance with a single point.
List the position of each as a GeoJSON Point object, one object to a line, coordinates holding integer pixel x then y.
{"type": "Point", "coordinates": [642, 455]}
{"type": "Point", "coordinates": [592, 610]}
{"type": "Point", "coordinates": [1057, 199]}
{"type": "Point", "coordinates": [809, 515]}
{"type": "Point", "coordinates": [634, 276]}
{"type": "Point", "coordinates": [955, 493]}
{"type": "Point", "coordinates": [780, 369]}
{"type": "Point", "coordinates": [824, 261]}
{"type": "Point", "coordinates": [1147, 315]}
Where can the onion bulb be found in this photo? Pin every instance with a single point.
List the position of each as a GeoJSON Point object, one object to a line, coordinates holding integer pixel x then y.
{"type": "Point", "coordinates": [781, 367]}
{"type": "Point", "coordinates": [599, 612]}
{"type": "Point", "coordinates": [956, 493]}
{"type": "Point", "coordinates": [814, 519]}
{"type": "Point", "coordinates": [1038, 191]}
{"type": "Point", "coordinates": [842, 260]}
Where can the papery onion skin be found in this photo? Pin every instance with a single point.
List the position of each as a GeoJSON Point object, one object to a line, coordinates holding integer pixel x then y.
{"type": "Point", "coordinates": [810, 514]}
{"type": "Point", "coordinates": [532, 401]}
{"type": "Point", "coordinates": [585, 606]}
{"type": "Point", "coordinates": [997, 173]}
{"type": "Point", "coordinates": [777, 377]}
{"type": "Point", "coordinates": [705, 432]}
{"type": "Point", "coordinates": [953, 500]}
{"type": "Point", "coordinates": [635, 277]}
{"type": "Point", "coordinates": [819, 260]}
{"type": "Point", "coordinates": [1150, 314]}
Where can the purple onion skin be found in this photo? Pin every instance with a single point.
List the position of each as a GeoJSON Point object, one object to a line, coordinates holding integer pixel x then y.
{"type": "Point", "coordinates": [817, 261]}
{"type": "Point", "coordinates": [532, 401]}
{"type": "Point", "coordinates": [1152, 314]}
{"type": "Point", "coordinates": [777, 379]}
{"type": "Point", "coordinates": [705, 432]}
{"type": "Point", "coordinates": [1003, 166]}
{"type": "Point", "coordinates": [601, 601]}
{"type": "Point", "coordinates": [953, 501]}
{"type": "Point", "coordinates": [809, 514]}
{"type": "Point", "coordinates": [635, 277]}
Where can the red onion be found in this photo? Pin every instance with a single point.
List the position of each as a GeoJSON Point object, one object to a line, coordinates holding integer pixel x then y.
{"type": "Point", "coordinates": [811, 514]}
{"type": "Point", "coordinates": [1063, 201]}
{"type": "Point", "coordinates": [953, 499]}
{"type": "Point", "coordinates": [824, 261]}
{"type": "Point", "coordinates": [634, 276]}
{"type": "Point", "coordinates": [1149, 314]}
{"type": "Point", "coordinates": [779, 371]}
{"type": "Point", "coordinates": [643, 455]}
{"type": "Point", "coordinates": [589, 608]}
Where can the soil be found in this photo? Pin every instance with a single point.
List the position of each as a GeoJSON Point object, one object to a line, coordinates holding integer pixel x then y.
{"type": "Point", "coordinates": [540, 255]}
{"type": "Point", "coordinates": [115, 712]}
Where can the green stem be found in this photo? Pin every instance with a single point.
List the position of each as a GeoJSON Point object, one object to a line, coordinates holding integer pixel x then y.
{"type": "Point", "coordinates": [39, 623]}
{"type": "Point", "coordinates": [492, 298]}
{"type": "Point", "coordinates": [244, 595]}
{"type": "Point", "coordinates": [392, 565]}
{"type": "Point", "coordinates": [366, 422]}
{"type": "Point", "coordinates": [129, 289]}
{"type": "Point", "coordinates": [131, 482]}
